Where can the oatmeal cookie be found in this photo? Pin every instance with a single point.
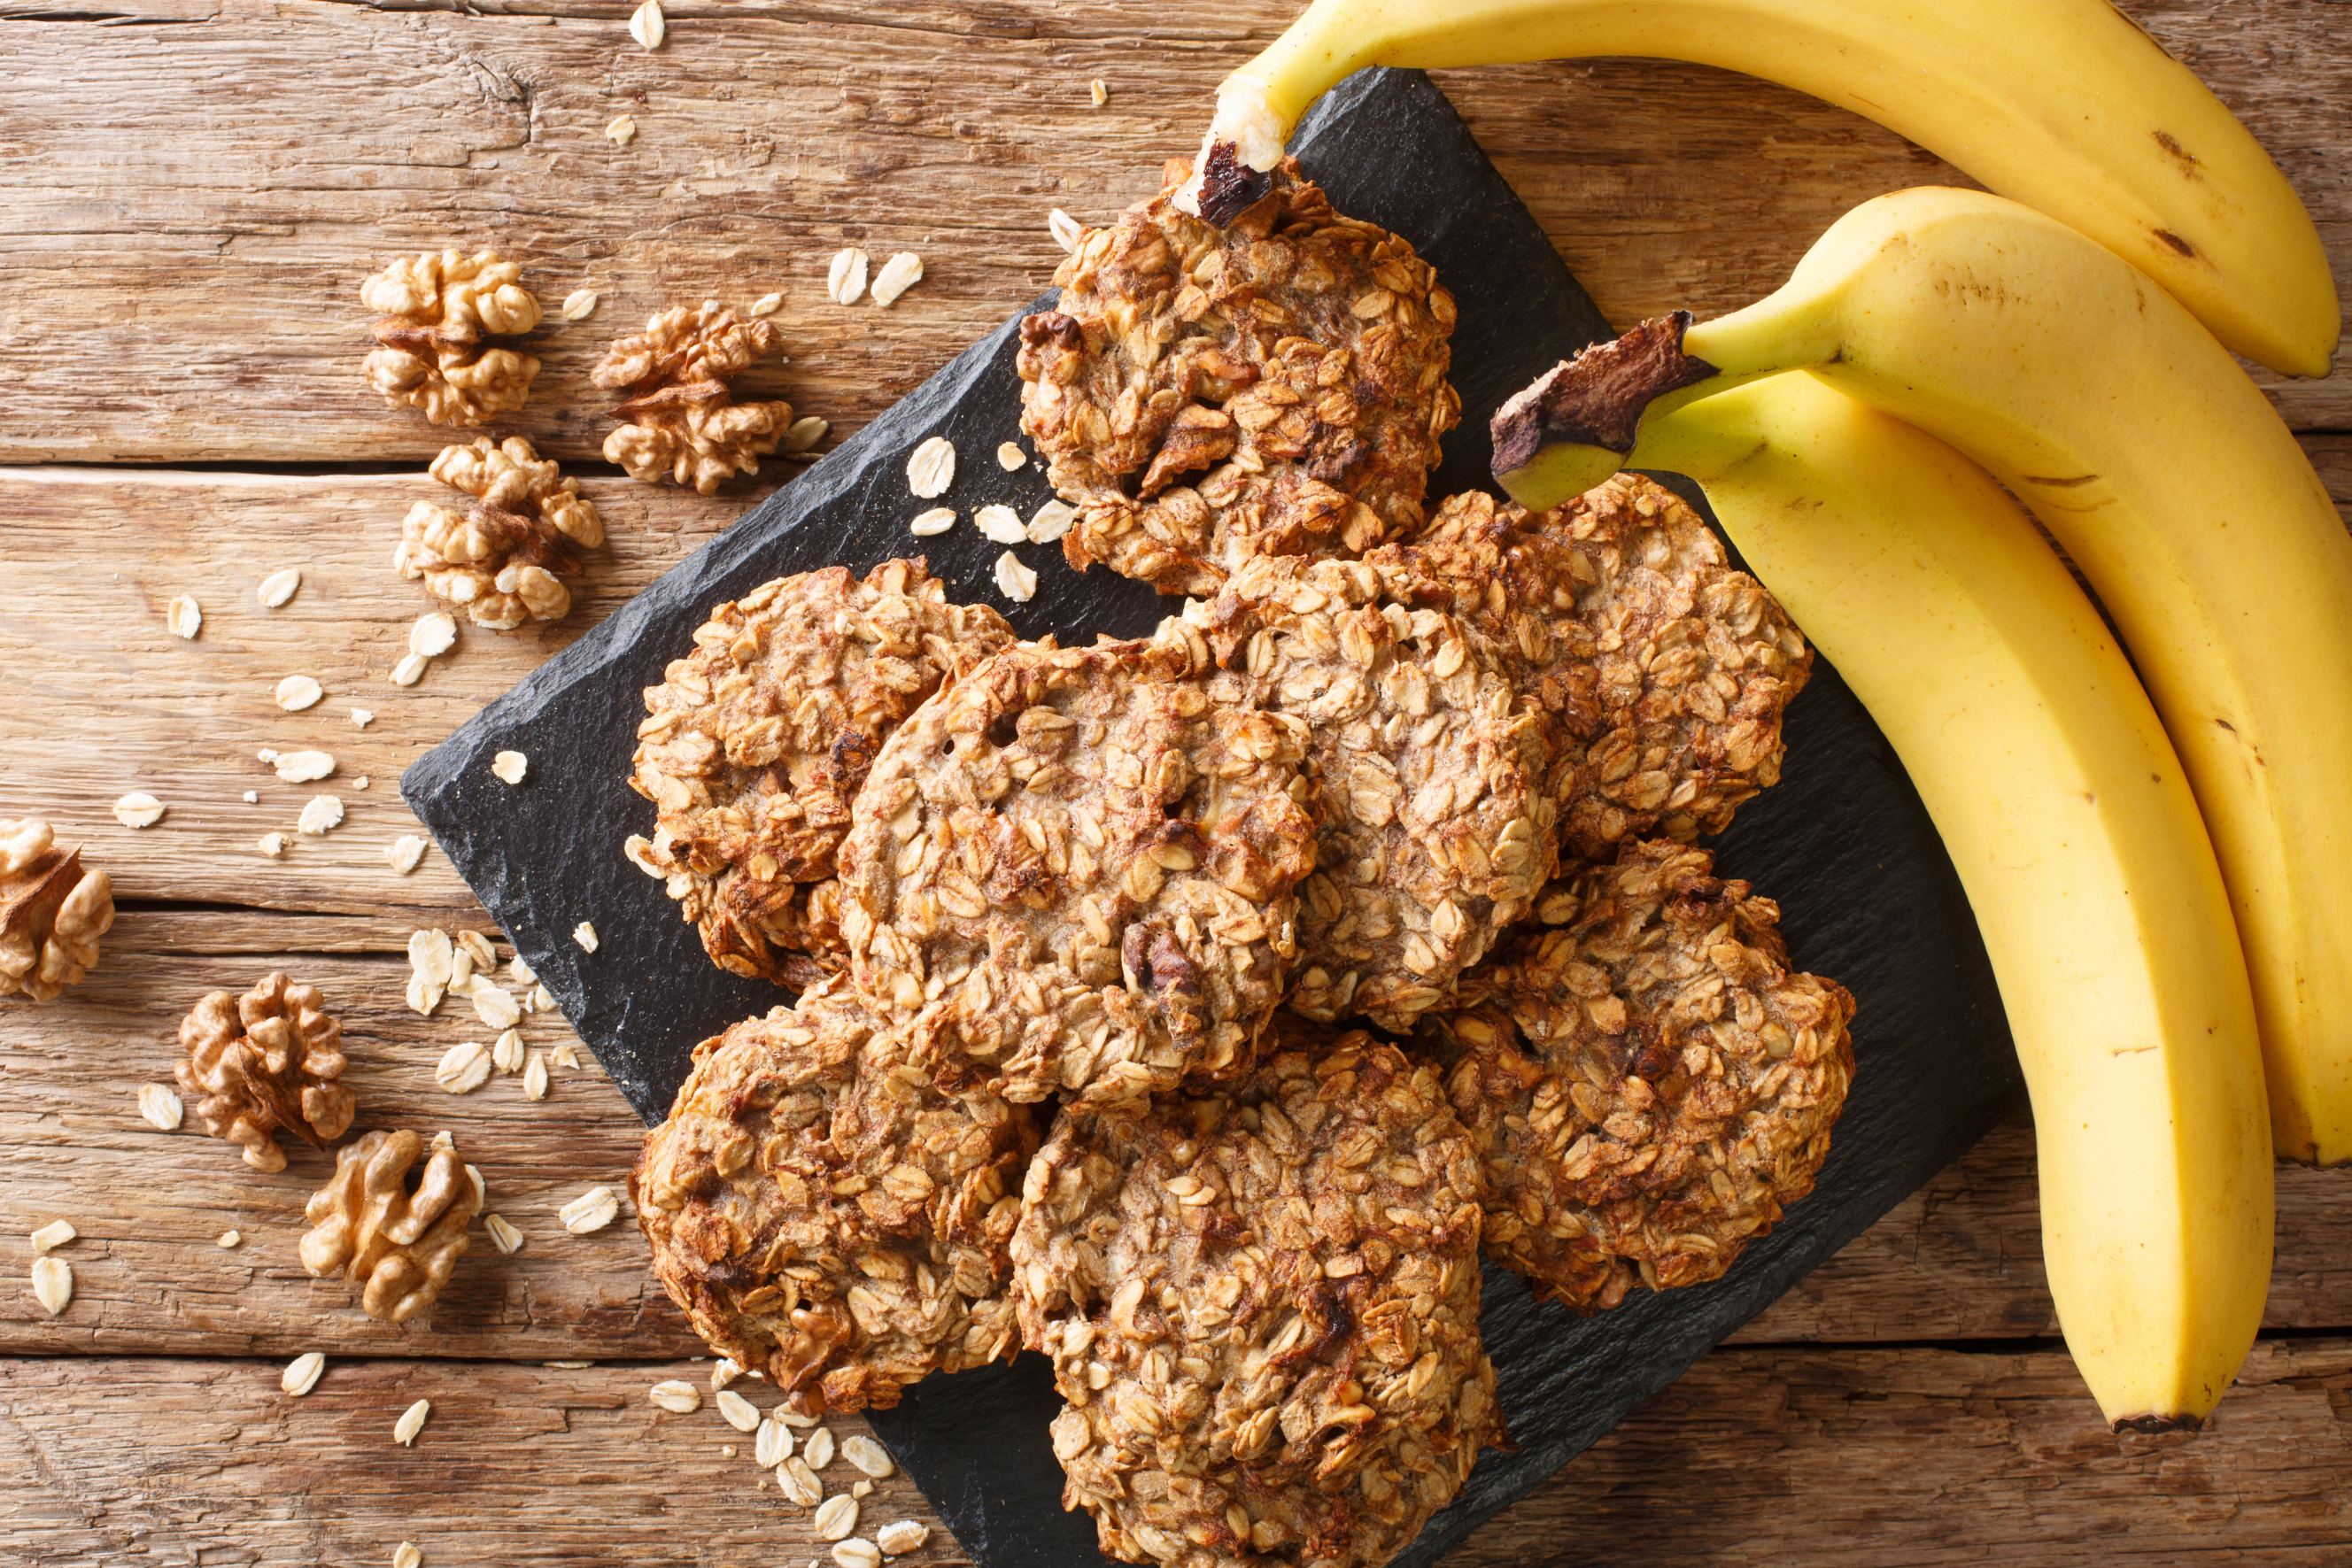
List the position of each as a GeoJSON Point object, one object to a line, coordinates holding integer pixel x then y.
{"type": "Point", "coordinates": [756, 743]}
{"type": "Point", "coordinates": [1203, 395]}
{"type": "Point", "coordinates": [1263, 1313]}
{"type": "Point", "coordinates": [1070, 873]}
{"type": "Point", "coordinates": [827, 1216]}
{"type": "Point", "coordinates": [1648, 1084]}
{"type": "Point", "coordinates": [1437, 830]}
{"type": "Point", "coordinates": [1660, 668]}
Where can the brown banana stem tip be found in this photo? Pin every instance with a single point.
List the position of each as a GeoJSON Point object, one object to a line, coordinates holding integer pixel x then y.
{"type": "Point", "coordinates": [1229, 187]}
{"type": "Point", "coordinates": [1597, 398]}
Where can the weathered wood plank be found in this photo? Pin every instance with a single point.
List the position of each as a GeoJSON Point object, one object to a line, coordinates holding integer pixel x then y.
{"type": "Point", "coordinates": [183, 285]}
{"type": "Point", "coordinates": [1758, 1456]}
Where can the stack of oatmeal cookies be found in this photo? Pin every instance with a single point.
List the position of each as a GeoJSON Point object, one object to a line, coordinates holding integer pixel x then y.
{"type": "Point", "coordinates": [1197, 1010]}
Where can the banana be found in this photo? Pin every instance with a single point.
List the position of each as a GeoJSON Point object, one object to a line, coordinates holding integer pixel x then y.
{"type": "Point", "coordinates": [2146, 451]}
{"type": "Point", "coordinates": [2073, 831]}
{"type": "Point", "coordinates": [2061, 104]}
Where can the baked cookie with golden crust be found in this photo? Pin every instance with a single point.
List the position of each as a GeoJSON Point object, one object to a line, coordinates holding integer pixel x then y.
{"type": "Point", "coordinates": [1648, 1083]}
{"type": "Point", "coordinates": [1201, 396]}
{"type": "Point", "coordinates": [825, 1216]}
{"type": "Point", "coordinates": [1662, 670]}
{"type": "Point", "coordinates": [1071, 874]}
{"type": "Point", "coordinates": [755, 743]}
{"type": "Point", "coordinates": [1437, 830]}
{"type": "Point", "coordinates": [1263, 1313]}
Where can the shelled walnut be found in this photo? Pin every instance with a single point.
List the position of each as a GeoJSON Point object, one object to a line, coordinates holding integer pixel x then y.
{"type": "Point", "coordinates": [430, 354]}
{"type": "Point", "coordinates": [263, 1063]}
{"type": "Point", "coordinates": [500, 560]}
{"type": "Point", "coordinates": [52, 912]}
{"type": "Point", "coordinates": [681, 421]}
{"type": "Point", "coordinates": [395, 1241]}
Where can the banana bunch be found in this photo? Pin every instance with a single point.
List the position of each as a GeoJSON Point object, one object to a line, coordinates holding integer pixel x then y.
{"type": "Point", "coordinates": [2066, 812]}
{"type": "Point", "coordinates": [2063, 105]}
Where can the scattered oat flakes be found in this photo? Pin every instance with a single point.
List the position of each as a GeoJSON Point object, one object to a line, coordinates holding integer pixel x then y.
{"type": "Point", "coordinates": [844, 280]}
{"type": "Point", "coordinates": [930, 468]}
{"type": "Point", "coordinates": [534, 1079]}
{"type": "Point", "coordinates": [724, 1371]}
{"type": "Point", "coordinates": [857, 1553]}
{"type": "Point", "coordinates": [1010, 457]}
{"type": "Point", "coordinates": [1001, 525]}
{"type": "Point", "coordinates": [424, 996]}
{"type": "Point", "coordinates": [405, 851]}
{"type": "Point", "coordinates": [901, 1536]}
{"type": "Point", "coordinates": [184, 617]}
{"type": "Point", "coordinates": [861, 1489]}
{"type": "Point", "coordinates": [773, 1445]}
{"type": "Point", "coordinates": [1051, 521]}
{"type": "Point", "coordinates": [590, 1211]}
{"type": "Point", "coordinates": [302, 1372]}
{"type": "Point", "coordinates": [868, 1456]}
{"type": "Point", "coordinates": [53, 1283]}
{"type": "Point", "coordinates": [836, 1517]}
{"type": "Point", "coordinates": [159, 1107]}
{"type": "Point", "coordinates": [520, 972]}
{"type": "Point", "coordinates": [793, 1418]}
{"type": "Point", "coordinates": [253, 797]}
{"type": "Point", "coordinates": [1098, 90]}
{"type": "Point", "coordinates": [432, 954]}
{"type": "Point", "coordinates": [296, 692]}
{"type": "Point", "coordinates": [1065, 228]}
{"type": "Point", "coordinates": [647, 25]}
{"type": "Point", "coordinates": [272, 844]}
{"type": "Point", "coordinates": [898, 274]}
{"type": "Point", "coordinates": [410, 670]}
{"type": "Point", "coordinates": [737, 1412]}
{"type": "Point", "coordinates": [319, 813]}
{"type": "Point", "coordinates": [938, 520]}
{"type": "Point", "coordinates": [676, 1395]}
{"type": "Point", "coordinates": [580, 304]}
{"type": "Point", "coordinates": [586, 934]}
{"type": "Point", "coordinates": [433, 634]}
{"type": "Point", "coordinates": [562, 1055]}
{"type": "Point", "coordinates": [622, 131]}
{"type": "Point", "coordinates": [476, 947]}
{"type": "Point", "coordinates": [817, 1447]}
{"type": "Point", "coordinates": [362, 716]}
{"type": "Point", "coordinates": [1014, 580]}
{"type": "Point", "coordinates": [464, 1067]}
{"type": "Point", "coordinates": [506, 1053]}
{"type": "Point", "coordinates": [301, 767]}
{"type": "Point", "coordinates": [139, 809]}
{"type": "Point", "coordinates": [407, 1556]}
{"type": "Point", "coordinates": [503, 1235]}
{"type": "Point", "coordinates": [279, 587]}
{"type": "Point", "coordinates": [766, 305]}
{"type": "Point", "coordinates": [411, 1422]}
{"type": "Point", "coordinates": [362, 782]}
{"type": "Point", "coordinates": [804, 434]}
{"type": "Point", "coordinates": [52, 1236]}
{"type": "Point", "coordinates": [510, 766]}
{"type": "Point", "coordinates": [798, 1482]}
{"type": "Point", "coordinates": [228, 1241]}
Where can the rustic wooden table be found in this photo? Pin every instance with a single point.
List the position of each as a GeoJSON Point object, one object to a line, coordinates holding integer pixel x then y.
{"type": "Point", "coordinates": [190, 193]}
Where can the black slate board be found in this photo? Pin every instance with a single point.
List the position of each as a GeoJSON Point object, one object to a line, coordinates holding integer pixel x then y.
{"type": "Point", "coordinates": [1866, 893]}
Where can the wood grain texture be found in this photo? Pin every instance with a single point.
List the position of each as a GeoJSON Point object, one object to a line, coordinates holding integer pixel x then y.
{"type": "Point", "coordinates": [183, 287]}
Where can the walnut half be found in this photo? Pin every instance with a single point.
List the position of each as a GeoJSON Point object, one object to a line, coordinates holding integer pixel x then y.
{"type": "Point", "coordinates": [52, 912]}
{"type": "Point", "coordinates": [263, 1063]}
{"type": "Point", "coordinates": [436, 312]}
{"type": "Point", "coordinates": [682, 422]}
{"type": "Point", "coordinates": [503, 559]}
{"type": "Point", "coordinates": [397, 1243]}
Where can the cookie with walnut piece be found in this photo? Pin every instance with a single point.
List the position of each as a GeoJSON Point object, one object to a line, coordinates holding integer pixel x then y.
{"type": "Point", "coordinates": [757, 741]}
{"type": "Point", "coordinates": [828, 1217]}
{"type": "Point", "coordinates": [1203, 395]}
{"type": "Point", "coordinates": [1263, 1311]}
{"type": "Point", "coordinates": [1650, 1085]}
{"type": "Point", "coordinates": [1071, 872]}
{"type": "Point", "coordinates": [1661, 671]}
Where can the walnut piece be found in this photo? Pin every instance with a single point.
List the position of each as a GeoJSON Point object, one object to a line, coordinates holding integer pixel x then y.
{"type": "Point", "coordinates": [265, 1063]}
{"type": "Point", "coordinates": [397, 1243]}
{"type": "Point", "coordinates": [52, 912]}
{"type": "Point", "coordinates": [430, 354]}
{"type": "Point", "coordinates": [680, 420]}
{"type": "Point", "coordinates": [501, 558]}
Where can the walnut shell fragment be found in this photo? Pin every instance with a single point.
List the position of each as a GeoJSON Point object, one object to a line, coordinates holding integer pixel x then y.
{"type": "Point", "coordinates": [431, 353]}
{"type": "Point", "coordinates": [681, 421]}
{"type": "Point", "coordinates": [52, 912]}
{"type": "Point", "coordinates": [1263, 1311]}
{"type": "Point", "coordinates": [828, 1217]}
{"type": "Point", "coordinates": [1648, 1082]}
{"type": "Point", "coordinates": [396, 1240]}
{"type": "Point", "coordinates": [266, 1062]}
{"type": "Point", "coordinates": [503, 559]}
